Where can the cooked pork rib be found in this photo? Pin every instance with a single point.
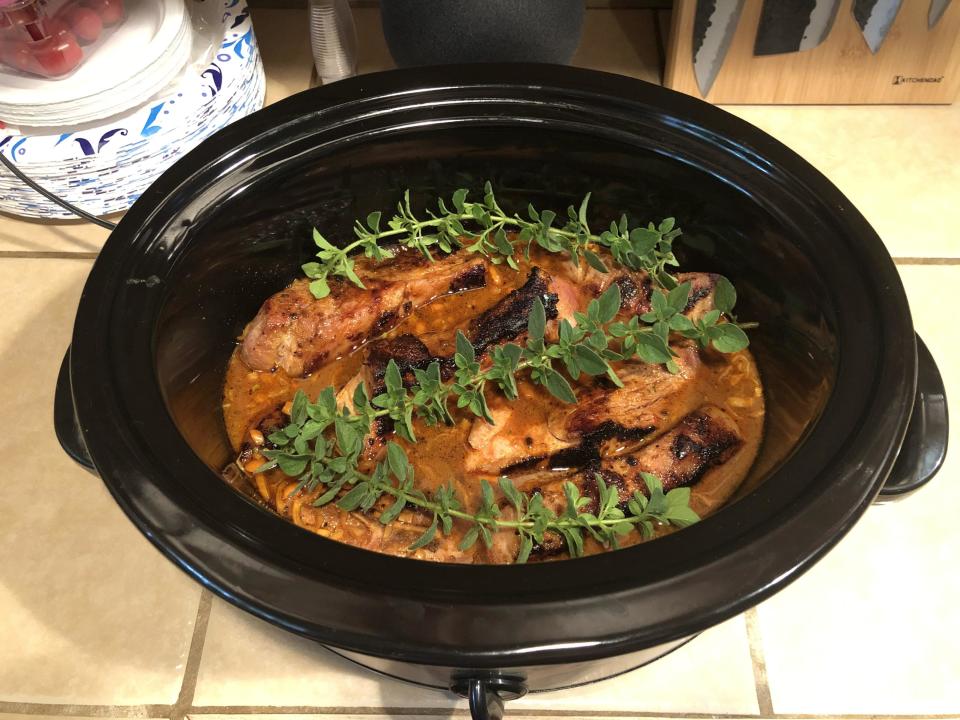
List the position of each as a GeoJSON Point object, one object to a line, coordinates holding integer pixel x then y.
{"type": "Point", "coordinates": [703, 442]}
{"type": "Point", "coordinates": [507, 320]}
{"type": "Point", "coordinates": [605, 418]}
{"type": "Point", "coordinates": [296, 332]}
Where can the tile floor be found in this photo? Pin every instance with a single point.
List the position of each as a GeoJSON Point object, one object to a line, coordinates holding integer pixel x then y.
{"type": "Point", "coordinates": [95, 623]}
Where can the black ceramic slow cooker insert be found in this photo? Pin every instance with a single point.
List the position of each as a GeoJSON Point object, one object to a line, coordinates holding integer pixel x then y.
{"type": "Point", "coordinates": [228, 225]}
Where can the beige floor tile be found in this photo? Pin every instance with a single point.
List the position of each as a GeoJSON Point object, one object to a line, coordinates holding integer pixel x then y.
{"type": "Point", "coordinates": [711, 674]}
{"type": "Point", "coordinates": [248, 662]}
{"type": "Point", "coordinates": [900, 165]}
{"type": "Point", "coordinates": [873, 627]}
{"type": "Point", "coordinates": [620, 41]}
{"type": "Point", "coordinates": [90, 613]}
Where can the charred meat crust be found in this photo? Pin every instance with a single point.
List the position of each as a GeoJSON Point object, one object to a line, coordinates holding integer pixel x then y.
{"type": "Point", "coordinates": [409, 353]}
{"type": "Point", "coordinates": [588, 451]}
{"type": "Point", "coordinates": [472, 278]}
{"type": "Point", "coordinates": [271, 421]}
{"type": "Point", "coordinates": [634, 297]}
{"type": "Point", "coordinates": [508, 318]}
{"type": "Point", "coordinates": [407, 350]}
{"type": "Point", "coordinates": [702, 285]}
{"type": "Point", "coordinates": [703, 443]}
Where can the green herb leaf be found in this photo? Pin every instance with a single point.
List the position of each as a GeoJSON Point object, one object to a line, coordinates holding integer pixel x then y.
{"type": "Point", "coordinates": [392, 512]}
{"type": "Point", "coordinates": [469, 538]}
{"type": "Point", "coordinates": [392, 377]}
{"type": "Point", "coordinates": [319, 288]}
{"type": "Point", "coordinates": [724, 295]}
{"type": "Point", "coordinates": [353, 498]}
{"type": "Point", "coordinates": [594, 261]}
{"type": "Point", "coordinates": [652, 348]}
{"type": "Point", "coordinates": [397, 459]}
{"type": "Point", "coordinates": [465, 347]}
{"type": "Point", "coordinates": [730, 338]}
{"type": "Point", "coordinates": [558, 386]}
{"type": "Point", "coordinates": [677, 298]}
{"type": "Point", "coordinates": [427, 536]}
{"type": "Point", "coordinates": [526, 545]}
{"type": "Point", "coordinates": [537, 321]}
{"type": "Point", "coordinates": [609, 303]}
{"type": "Point", "coordinates": [589, 361]}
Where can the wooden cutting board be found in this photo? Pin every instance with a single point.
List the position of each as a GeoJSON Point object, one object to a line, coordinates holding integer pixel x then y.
{"type": "Point", "coordinates": [914, 64]}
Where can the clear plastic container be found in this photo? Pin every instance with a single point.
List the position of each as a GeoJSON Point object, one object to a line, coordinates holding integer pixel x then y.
{"type": "Point", "coordinates": [51, 38]}
{"type": "Point", "coordinates": [333, 37]}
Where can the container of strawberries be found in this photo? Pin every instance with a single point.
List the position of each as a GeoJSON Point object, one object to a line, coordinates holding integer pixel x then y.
{"type": "Point", "coordinates": [52, 38]}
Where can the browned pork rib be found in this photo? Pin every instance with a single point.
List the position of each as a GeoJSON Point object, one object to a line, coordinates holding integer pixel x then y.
{"type": "Point", "coordinates": [703, 440]}
{"type": "Point", "coordinates": [507, 320]}
{"type": "Point", "coordinates": [605, 419]}
{"type": "Point", "coordinates": [702, 447]}
{"type": "Point", "coordinates": [298, 333]}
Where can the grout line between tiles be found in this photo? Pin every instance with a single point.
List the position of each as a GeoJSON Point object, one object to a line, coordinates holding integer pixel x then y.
{"type": "Point", "coordinates": [759, 662]}
{"type": "Point", "coordinates": [48, 254]}
{"type": "Point", "coordinates": [189, 685]}
{"type": "Point", "coordinates": [926, 261]}
{"type": "Point", "coordinates": [112, 711]}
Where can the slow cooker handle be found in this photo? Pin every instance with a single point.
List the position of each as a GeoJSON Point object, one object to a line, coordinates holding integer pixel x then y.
{"type": "Point", "coordinates": [925, 444]}
{"type": "Point", "coordinates": [487, 692]}
{"type": "Point", "coordinates": [65, 419]}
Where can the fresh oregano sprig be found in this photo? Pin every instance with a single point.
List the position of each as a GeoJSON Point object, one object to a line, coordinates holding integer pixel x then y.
{"type": "Point", "coordinates": [647, 336]}
{"type": "Point", "coordinates": [532, 519]}
{"type": "Point", "coordinates": [486, 228]}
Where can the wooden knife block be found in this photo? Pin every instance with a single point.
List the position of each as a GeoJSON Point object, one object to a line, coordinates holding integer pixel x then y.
{"type": "Point", "coordinates": [913, 65]}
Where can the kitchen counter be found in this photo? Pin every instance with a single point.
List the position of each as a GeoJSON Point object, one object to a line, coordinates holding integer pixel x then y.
{"type": "Point", "coordinates": [95, 623]}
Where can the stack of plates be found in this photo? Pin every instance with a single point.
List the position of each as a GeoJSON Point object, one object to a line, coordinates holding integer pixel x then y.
{"type": "Point", "coordinates": [104, 167]}
{"type": "Point", "coordinates": [125, 69]}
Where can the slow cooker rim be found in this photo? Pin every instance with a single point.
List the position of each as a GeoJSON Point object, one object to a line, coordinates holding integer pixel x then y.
{"type": "Point", "coordinates": [139, 215]}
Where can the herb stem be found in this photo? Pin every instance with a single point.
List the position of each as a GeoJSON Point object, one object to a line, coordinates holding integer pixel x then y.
{"type": "Point", "coordinates": [495, 522]}
{"type": "Point", "coordinates": [479, 227]}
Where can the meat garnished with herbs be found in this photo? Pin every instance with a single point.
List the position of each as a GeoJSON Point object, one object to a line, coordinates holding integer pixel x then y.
{"type": "Point", "coordinates": [297, 334]}
{"type": "Point", "coordinates": [493, 389]}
